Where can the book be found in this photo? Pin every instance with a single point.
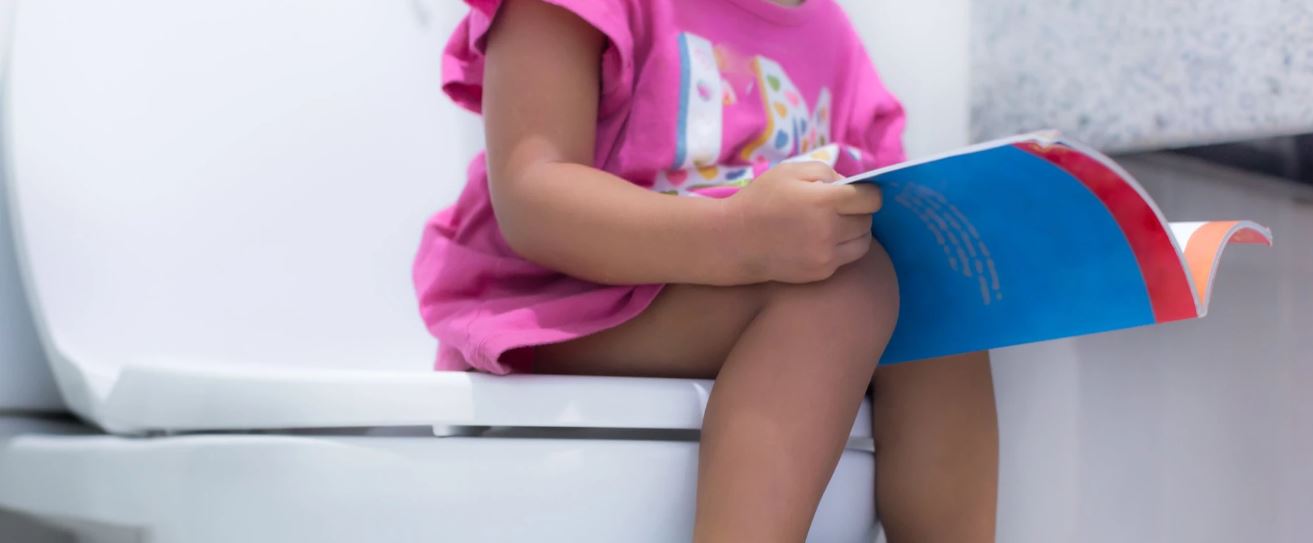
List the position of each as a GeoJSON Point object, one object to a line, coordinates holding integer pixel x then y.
{"type": "Point", "coordinates": [1032, 238]}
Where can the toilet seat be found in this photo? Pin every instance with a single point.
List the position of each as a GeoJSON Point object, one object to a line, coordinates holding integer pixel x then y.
{"type": "Point", "coordinates": [179, 399]}
{"type": "Point", "coordinates": [215, 207]}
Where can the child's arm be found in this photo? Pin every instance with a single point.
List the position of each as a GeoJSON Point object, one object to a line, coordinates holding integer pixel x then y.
{"type": "Point", "coordinates": [540, 106]}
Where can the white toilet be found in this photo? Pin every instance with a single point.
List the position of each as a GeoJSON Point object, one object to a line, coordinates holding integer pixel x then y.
{"type": "Point", "coordinates": [214, 209]}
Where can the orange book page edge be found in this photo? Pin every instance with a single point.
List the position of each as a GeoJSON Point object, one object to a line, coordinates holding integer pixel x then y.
{"type": "Point", "coordinates": [1204, 249]}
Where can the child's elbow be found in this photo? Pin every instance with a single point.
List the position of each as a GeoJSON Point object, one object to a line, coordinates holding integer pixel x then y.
{"type": "Point", "coordinates": [528, 238]}
{"type": "Point", "coordinates": [530, 224]}
{"type": "Point", "coordinates": [523, 240]}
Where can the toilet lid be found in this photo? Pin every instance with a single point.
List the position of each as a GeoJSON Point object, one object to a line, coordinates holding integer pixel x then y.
{"type": "Point", "coordinates": [218, 202]}
{"type": "Point", "coordinates": [228, 184]}
{"type": "Point", "coordinates": [27, 384]}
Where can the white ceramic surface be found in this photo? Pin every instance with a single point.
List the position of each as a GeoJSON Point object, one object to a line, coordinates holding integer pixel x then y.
{"type": "Point", "coordinates": [27, 384]}
{"type": "Point", "coordinates": [186, 198]}
{"type": "Point", "coordinates": [388, 487]}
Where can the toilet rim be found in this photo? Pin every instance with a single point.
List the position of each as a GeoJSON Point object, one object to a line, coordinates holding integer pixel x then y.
{"type": "Point", "coordinates": [148, 398]}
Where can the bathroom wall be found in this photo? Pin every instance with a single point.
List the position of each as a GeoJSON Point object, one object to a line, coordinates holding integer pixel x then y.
{"type": "Point", "coordinates": [920, 50]}
{"type": "Point", "coordinates": [1196, 431]}
{"type": "Point", "coordinates": [1193, 431]}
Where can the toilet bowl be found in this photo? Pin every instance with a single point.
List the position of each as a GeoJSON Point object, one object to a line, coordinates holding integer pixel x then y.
{"type": "Point", "coordinates": [214, 208]}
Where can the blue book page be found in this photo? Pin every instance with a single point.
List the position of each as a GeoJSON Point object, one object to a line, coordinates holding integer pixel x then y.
{"type": "Point", "coordinates": [999, 247]}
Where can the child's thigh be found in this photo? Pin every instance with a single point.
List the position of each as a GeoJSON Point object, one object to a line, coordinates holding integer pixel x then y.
{"type": "Point", "coordinates": [687, 332]}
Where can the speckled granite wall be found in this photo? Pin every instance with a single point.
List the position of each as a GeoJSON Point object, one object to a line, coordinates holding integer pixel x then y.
{"type": "Point", "coordinates": [1142, 74]}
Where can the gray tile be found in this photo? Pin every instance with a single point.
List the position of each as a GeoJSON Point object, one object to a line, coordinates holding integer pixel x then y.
{"type": "Point", "coordinates": [1128, 74]}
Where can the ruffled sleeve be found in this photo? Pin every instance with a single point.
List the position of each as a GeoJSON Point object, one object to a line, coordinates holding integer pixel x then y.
{"type": "Point", "coordinates": [463, 61]}
{"type": "Point", "coordinates": [876, 119]}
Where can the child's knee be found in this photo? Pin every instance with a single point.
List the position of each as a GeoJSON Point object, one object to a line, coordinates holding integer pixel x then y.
{"type": "Point", "coordinates": [867, 289]}
{"type": "Point", "coordinates": [861, 297]}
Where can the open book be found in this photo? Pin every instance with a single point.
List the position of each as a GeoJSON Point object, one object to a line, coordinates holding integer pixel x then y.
{"type": "Point", "coordinates": [1033, 238]}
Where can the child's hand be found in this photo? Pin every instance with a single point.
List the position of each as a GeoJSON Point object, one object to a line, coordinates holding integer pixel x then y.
{"type": "Point", "coordinates": [791, 225]}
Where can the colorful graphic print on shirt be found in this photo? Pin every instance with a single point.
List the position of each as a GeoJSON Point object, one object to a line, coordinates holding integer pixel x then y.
{"type": "Point", "coordinates": [792, 130]}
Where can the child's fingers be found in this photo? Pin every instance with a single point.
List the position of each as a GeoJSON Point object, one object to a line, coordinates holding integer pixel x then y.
{"type": "Point", "coordinates": [811, 171]}
{"type": "Point", "coordinates": [853, 249]}
{"type": "Point", "coordinates": [854, 226]}
{"type": "Point", "coordinates": [857, 198]}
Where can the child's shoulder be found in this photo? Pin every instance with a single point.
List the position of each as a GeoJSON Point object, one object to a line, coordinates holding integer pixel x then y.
{"type": "Point", "coordinates": [815, 37]}
{"type": "Point", "coordinates": [649, 17]}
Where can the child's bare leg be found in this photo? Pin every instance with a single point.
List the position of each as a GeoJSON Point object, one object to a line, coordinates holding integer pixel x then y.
{"type": "Point", "coordinates": [796, 363]}
{"type": "Point", "coordinates": [936, 433]}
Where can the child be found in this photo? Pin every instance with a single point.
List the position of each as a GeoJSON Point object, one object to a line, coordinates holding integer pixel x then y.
{"type": "Point", "coordinates": [612, 229]}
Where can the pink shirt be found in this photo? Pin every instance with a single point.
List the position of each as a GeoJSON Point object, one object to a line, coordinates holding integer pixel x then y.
{"type": "Point", "coordinates": [698, 96]}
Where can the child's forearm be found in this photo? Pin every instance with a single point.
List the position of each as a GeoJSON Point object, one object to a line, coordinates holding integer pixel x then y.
{"type": "Point", "coordinates": [595, 226]}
